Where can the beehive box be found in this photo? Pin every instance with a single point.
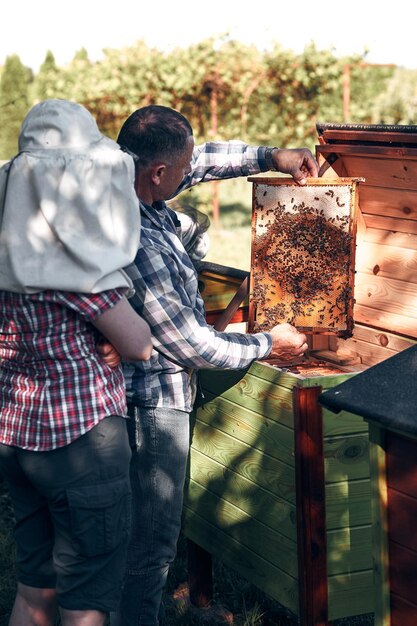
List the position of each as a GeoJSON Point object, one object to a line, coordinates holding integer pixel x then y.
{"type": "Point", "coordinates": [277, 488]}
{"type": "Point", "coordinates": [386, 396]}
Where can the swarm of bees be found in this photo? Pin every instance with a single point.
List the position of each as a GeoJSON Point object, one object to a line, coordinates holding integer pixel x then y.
{"type": "Point", "coordinates": [302, 257]}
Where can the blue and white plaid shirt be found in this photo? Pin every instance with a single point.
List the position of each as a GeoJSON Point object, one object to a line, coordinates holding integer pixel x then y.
{"type": "Point", "coordinates": [167, 295]}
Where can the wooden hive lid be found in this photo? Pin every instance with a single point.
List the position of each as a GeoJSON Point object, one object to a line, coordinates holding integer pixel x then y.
{"type": "Point", "coordinates": [386, 254]}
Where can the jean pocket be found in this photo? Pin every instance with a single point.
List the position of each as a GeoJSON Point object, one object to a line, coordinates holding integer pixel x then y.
{"type": "Point", "coordinates": [100, 516]}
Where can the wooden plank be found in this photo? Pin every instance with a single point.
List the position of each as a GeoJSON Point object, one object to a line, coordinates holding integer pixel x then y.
{"type": "Point", "coordinates": [401, 465]}
{"type": "Point", "coordinates": [392, 296]}
{"type": "Point", "coordinates": [382, 152]}
{"type": "Point", "coordinates": [382, 320]}
{"type": "Point", "coordinates": [403, 613]}
{"type": "Point", "coordinates": [265, 541]}
{"type": "Point", "coordinates": [403, 571]}
{"type": "Point", "coordinates": [373, 344]}
{"type": "Point", "coordinates": [270, 401]}
{"type": "Point", "coordinates": [382, 222]}
{"type": "Point", "coordinates": [217, 291]}
{"type": "Point", "coordinates": [402, 516]}
{"type": "Point", "coordinates": [349, 550]}
{"type": "Point", "coordinates": [346, 458]}
{"type": "Point", "coordinates": [351, 594]}
{"type": "Point", "coordinates": [381, 137]}
{"type": "Point", "coordinates": [343, 423]}
{"type": "Point", "coordinates": [273, 581]}
{"type": "Point", "coordinates": [396, 239]}
{"type": "Point", "coordinates": [311, 507]}
{"type": "Point", "coordinates": [250, 497]}
{"type": "Point", "coordinates": [397, 170]}
{"type": "Point", "coordinates": [348, 504]}
{"type": "Point", "coordinates": [239, 317]}
{"type": "Point", "coordinates": [251, 428]}
{"type": "Point", "coordinates": [271, 474]}
{"type": "Point", "coordinates": [283, 378]}
{"type": "Point", "coordinates": [389, 202]}
{"type": "Point", "coordinates": [388, 262]}
{"type": "Point", "coordinates": [379, 525]}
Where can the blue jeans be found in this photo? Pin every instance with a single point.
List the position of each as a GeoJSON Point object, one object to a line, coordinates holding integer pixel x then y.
{"type": "Point", "coordinates": [161, 444]}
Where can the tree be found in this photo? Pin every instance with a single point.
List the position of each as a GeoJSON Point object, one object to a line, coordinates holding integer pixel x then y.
{"type": "Point", "coordinates": [14, 103]}
{"type": "Point", "coordinates": [46, 82]}
{"type": "Point", "coordinates": [397, 104]}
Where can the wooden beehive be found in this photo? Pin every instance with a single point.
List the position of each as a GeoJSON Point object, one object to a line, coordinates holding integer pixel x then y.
{"type": "Point", "coordinates": [386, 396]}
{"type": "Point", "coordinates": [278, 488]}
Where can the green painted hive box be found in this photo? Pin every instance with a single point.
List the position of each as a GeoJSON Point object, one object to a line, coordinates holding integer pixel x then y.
{"type": "Point", "coordinates": [280, 492]}
{"type": "Point", "coordinates": [278, 487]}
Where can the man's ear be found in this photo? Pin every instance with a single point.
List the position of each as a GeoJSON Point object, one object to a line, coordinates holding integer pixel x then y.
{"type": "Point", "coordinates": [157, 172]}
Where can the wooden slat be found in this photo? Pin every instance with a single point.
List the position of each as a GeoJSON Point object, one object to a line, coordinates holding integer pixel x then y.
{"type": "Point", "coordinates": [273, 581]}
{"type": "Point", "coordinates": [382, 320]}
{"type": "Point", "coordinates": [388, 262]}
{"type": "Point", "coordinates": [268, 543]}
{"type": "Point", "coordinates": [346, 458]}
{"type": "Point", "coordinates": [373, 345]}
{"type": "Point", "coordinates": [272, 401]}
{"type": "Point", "coordinates": [389, 341]}
{"type": "Point", "coordinates": [401, 463]}
{"type": "Point", "coordinates": [397, 170]}
{"type": "Point", "coordinates": [403, 572]}
{"type": "Point", "coordinates": [272, 474]}
{"type": "Point", "coordinates": [386, 304]}
{"type": "Point", "coordinates": [403, 613]}
{"type": "Point", "coordinates": [348, 503]}
{"type": "Point", "coordinates": [389, 238]}
{"type": "Point", "coordinates": [242, 492]}
{"type": "Point", "coordinates": [251, 428]}
{"type": "Point", "coordinates": [351, 594]}
{"type": "Point", "coordinates": [393, 224]}
{"type": "Point", "coordinates": [343, 424]}
{"type": "Point", "coordinates": [367, 136]}
{"type": "Point", "coordinates": [371, 152]}
{"type": "Point", "coordinates": [389, 202]}
{"type": "Point", "coordinates": [381, 593]}
{"type": "Point", "coordinates": [402, 516]}
{"type": "Point", "coordinates": [390, 295]}
{"type": "Point", "coordinates": [311, 507]}
{"type": "Point", "coordinates": [349, 550]}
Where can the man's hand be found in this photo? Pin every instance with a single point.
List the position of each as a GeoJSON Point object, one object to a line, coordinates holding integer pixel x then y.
{"type": "Point", "coordinates": [108, 353]}
{"type": "Point", "coordinates": [298, 162]}
{"type": "Point", "coordinates": [287, 342]}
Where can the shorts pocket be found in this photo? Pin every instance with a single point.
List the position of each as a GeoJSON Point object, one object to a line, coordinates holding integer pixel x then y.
{"type": "Point", "coordinates": [100, 516]}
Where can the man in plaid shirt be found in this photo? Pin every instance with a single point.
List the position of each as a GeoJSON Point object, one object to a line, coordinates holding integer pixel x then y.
{"type": "Point", "coordinates": [161, 391]}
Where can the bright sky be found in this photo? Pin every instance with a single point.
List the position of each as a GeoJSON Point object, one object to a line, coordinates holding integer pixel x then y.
{"type": "Point", "coordinates": [29, 28]}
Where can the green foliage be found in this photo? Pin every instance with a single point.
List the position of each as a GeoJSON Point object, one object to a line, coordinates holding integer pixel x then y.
{"type": "Point", "coordinates": [397, 103]}
{"type": "Point", "coordinates": [44, 84]}
{"type": "Point", "coordinates": [226, 89]}
{"type": "Point", "coordinates": [14, 103]}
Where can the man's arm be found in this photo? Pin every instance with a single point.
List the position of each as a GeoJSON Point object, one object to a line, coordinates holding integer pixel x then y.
{"type": "Point", "coordinates": [179, 329]}
{"type": "Point", "coordinates": [231, 159]}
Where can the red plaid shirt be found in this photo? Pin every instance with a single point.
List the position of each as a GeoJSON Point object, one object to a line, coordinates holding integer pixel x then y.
{"type": "Point", "coordinates": [54, 386]}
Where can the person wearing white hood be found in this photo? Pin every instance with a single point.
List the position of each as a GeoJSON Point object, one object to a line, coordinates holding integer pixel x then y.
{"type": "Point", "coordinates": [69, 224]}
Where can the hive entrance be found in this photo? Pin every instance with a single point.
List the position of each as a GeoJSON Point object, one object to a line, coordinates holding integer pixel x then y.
{"type": "Point", "coordinates": [303, 243]}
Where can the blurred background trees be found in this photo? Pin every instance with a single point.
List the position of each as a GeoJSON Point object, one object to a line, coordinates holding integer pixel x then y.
{"type": "Point", "coordinates": [226, 89]}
